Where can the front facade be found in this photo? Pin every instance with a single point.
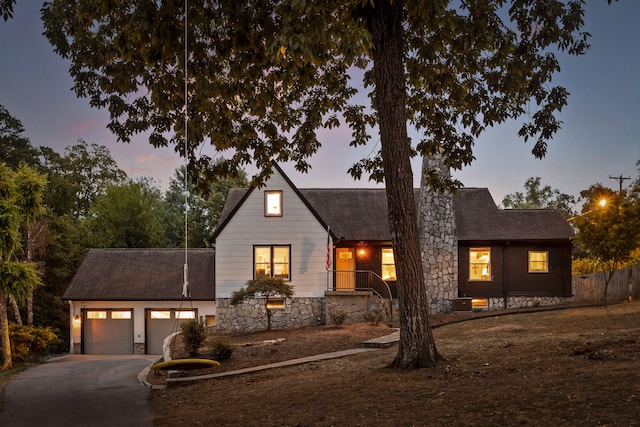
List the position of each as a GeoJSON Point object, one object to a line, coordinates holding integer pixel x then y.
{"type": "Point", "coordinates": [334, 247]}
{"type": "Point", "coordinates": [337, 242]}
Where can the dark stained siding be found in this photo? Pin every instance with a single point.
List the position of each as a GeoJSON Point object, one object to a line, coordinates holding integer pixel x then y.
{"type": "Point", "coordinates": [557, 282]}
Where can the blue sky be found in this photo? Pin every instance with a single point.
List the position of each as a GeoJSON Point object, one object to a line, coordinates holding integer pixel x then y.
{"type": "Point", "coordinates": [600, 135]}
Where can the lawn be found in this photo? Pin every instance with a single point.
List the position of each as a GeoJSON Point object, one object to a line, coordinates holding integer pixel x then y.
{"type": "Point", "coordinates": [578, 366]}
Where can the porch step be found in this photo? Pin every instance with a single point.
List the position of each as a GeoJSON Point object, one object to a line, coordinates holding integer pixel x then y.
{"type": "Point", "coordinates": [382, 342]}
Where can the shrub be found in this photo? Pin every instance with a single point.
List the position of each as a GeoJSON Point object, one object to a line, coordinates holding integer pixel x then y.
{"type": "Point", "coordinates": [193, 335]}
{"type": "Point", "coordinates": [374, 316]}
{"type": "Point", "coordinates": [31, 343]}
{"type": "Point", "coordinates": [338, 316]}
{"type": "Point", "coordinates": [219, 348]}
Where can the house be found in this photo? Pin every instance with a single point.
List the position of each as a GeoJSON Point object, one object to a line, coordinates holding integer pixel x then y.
{"type": "Point", "coordinates": [127, 301]}
{"type": "Point", "coordinates": [333, 246]}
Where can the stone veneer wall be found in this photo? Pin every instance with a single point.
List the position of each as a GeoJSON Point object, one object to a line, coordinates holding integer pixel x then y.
{"type": "Point", "coordinates": [438, 239]}
{"type": "Point", "coordinates": [251, 315]}
{"type": "Point", "coordinates": [526, 301]}
{"type": "Point", "coordinates": [138, 348]}
{"type": "Point", "coordinates": [357, 304]}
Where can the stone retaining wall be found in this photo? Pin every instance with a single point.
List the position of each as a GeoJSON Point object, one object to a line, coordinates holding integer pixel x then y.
{"type": "Point", "coordinates": [356, 303]}
{"type": "Point", "coordinates": [251, 314]}
{"type": "Point", "coordinates": [526, 301]}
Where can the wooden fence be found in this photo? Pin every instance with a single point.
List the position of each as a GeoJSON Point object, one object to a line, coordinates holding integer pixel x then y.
{"type": "Point", "coordinates": [624, 285]}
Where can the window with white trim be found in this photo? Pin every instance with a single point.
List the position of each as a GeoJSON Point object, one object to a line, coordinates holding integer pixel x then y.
{"type": "Point", "coordinates": [272, 261]}
{"type": "Point", "coordinates": [480, 264]}
{"type": "Point", "coordinates": [273, 203]}
{"type": "Point", "coordinates": [538, 262]}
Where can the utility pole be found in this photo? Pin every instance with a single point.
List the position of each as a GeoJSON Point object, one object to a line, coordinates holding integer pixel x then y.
{"type": "Point", "coordinates": [620, 179]}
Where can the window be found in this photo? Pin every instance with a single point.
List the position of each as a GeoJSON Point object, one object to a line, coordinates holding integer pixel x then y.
{"type": "Point", "coordinates": [388, 264]}
{"type": "Point", "coordinates": [276, 304]}
{"type": "Point", "coordinates": [121, 314]}
{"type": "Point", "coordinates": [96, 314]}
{"type": "Point", "coordinates": [273, 203]}
{"type": "Point", "coordinates": [272, 261]}
{"type": "Point", "coordinates": [480, 264]}
{"type": "Point", "coordinates": [185, 314]}
{"type": "Point", "coordinates": [538, 262]}
{"type": "Point", "coordinates": [161, 314]}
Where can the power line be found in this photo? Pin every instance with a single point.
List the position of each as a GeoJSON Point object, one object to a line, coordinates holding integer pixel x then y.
{"type": "Point", "coordinates": [620, 179]}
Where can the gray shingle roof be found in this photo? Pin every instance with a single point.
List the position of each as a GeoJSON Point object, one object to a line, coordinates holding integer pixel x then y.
{"type": "Point", "coordinates": [142, 275]}
{"type": "Point", "coordinates": [361, 214]}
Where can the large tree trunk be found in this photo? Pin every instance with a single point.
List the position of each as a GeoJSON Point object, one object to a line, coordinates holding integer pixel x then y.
{"type": "Point", "coordinates": [417, 347]}
{"type": "Point", "coordinates": [4, 332]}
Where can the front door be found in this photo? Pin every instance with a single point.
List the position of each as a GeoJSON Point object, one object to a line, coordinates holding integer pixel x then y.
{"type": "Point", "coordinates": [345, 269]}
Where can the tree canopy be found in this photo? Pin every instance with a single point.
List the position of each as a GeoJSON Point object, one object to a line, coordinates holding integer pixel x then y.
{"type": "Point", "coordinates": [264, 76]}
{"type": "Point", "coordinates": [537, 197]}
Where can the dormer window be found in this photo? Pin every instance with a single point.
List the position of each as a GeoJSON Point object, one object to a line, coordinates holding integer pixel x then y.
{"type": "Point", "coordinates": [273, 203]}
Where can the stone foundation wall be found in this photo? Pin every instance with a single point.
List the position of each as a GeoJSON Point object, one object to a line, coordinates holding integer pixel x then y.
{"type": "Point", "coordinates": [138, 348]}
{"type": "Point", "coordinates": [356, 303]}
{"type": "Point", "coordinates": [526, 301]}
{"type": "Point", "coordinates": [251, 314]}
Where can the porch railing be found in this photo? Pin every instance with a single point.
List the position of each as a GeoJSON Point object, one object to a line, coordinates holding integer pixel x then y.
{"type": "Point", "coordinates": [361, 280]}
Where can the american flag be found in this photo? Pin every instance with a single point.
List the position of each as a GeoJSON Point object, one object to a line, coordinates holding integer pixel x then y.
{"type": "Point", "coordinates": [328, 249]}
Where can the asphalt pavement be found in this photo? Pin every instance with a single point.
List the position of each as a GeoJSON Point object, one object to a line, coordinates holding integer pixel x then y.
{"type": "Point", "coordinates": [79, 390]}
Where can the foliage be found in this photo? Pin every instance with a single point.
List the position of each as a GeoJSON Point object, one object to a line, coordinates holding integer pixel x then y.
{"type": "Point", "coordinates": [219, 348]}
{"type": "Point", "coordinates": [193, 335]}
{"type": "Point", "coordinates": [608, 234]}
{"type": "Point", "coordinates": [31, 343]}
{"type": "Point", "coordinates": [265, 287]}
{"type": "Point", "coordinates": [205, 207]}
{"type": "Point", "coordinates": [374, 316]}
{"type": "Point", "coordinates": [536, 197]}
{"type": "Point", "coordinates": [128, 215]}
{"type": "Point", "coordinates": [20, 197]}
{"type": "Point", "coordinates": [14, 147]}
{"type": "Point", "coordinates": [338, 317]}
{"type": "Point", "coordinates": [272, 73]}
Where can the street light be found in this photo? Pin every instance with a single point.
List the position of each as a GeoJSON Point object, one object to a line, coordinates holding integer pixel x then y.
{"type": "Point", "coordinates": [601, 204]}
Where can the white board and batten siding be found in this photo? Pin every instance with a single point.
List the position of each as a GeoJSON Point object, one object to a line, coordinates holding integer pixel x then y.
{"type": "Point", "coordinates": [297, 227]}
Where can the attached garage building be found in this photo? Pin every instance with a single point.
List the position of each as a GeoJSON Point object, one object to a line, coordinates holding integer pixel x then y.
{"type": "Point", "coordinates": [127, 301]}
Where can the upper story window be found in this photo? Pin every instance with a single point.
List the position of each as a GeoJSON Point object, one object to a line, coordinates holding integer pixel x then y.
{"type": "Point", "coordinates": [538, 262]}
{"type": "Point", "coordinates": [480, 264]}
{"type": "Point", "coordinates": [388, 264]}
{"type": "Point", "coordinates": [273, 203]}
{"type": "Point", "coordinates": [272, 261]}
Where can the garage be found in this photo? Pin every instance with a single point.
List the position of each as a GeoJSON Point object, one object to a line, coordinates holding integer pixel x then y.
{"type": "Point", "coordinates": [161, 323]}
{"type": "Point", "coordinates": [107, 331]}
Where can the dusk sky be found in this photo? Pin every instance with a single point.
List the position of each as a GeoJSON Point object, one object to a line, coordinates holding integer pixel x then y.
{"type": "Point", "coordinates": [600, 135]}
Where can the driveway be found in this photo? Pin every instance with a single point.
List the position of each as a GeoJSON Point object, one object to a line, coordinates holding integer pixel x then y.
{"type": "Point", "coordinates": [79, 390]}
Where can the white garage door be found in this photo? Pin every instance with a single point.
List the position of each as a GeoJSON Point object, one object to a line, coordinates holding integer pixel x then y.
{"type": "Point", "coordinates": [107, 332]}
{"type": "Point", "coordinates": [163, 322]}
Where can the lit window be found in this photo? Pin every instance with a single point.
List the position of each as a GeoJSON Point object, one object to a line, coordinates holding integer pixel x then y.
{"type": "Point", "coordinates": [273, 203]}
{"type": "Point", "coordinates": [272, 261]}
{"type": "Point", "coordinates": [478, 304]}
{"type": "Point", "coordinates": [538, 262]}
{"type": "Point", "coordinates": [161, 314]}
{"type": "Point", "coordinates": [96, 314]}
{"type": "Point", "coordinates": [121, 314]}
{"type": "Point", "coordinates": [388, 264]}
{"type": "Point", "coordinates": [185, 314]}
{"type": "Point", "coordinates": [480, 264]}
{"type": "Point", "coordinates": [276, 303]}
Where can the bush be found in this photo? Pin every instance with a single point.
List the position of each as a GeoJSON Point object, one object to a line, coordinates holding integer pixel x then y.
{"type": "Point", "coordinates": [219, 348]}
{"type": "Point", "coordinates": [374, 316]}
{"type": "Point", "coordinates": [193, 335]}
{"type": "Point", "coordinates": [338, 316]}
{"type": "Point", "coordinates": [31, 343]}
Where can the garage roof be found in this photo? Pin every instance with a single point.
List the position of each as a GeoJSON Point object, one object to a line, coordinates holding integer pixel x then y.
{"type": "Point", "coordinates": [142, 275]}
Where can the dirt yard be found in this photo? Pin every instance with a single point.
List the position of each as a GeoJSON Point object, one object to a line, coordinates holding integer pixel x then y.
{"type": "Point", "coordinates": [578, 366]}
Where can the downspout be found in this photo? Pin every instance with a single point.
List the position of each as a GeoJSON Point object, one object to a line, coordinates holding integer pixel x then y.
{"type": "Point", "coordinates": [505, 271]}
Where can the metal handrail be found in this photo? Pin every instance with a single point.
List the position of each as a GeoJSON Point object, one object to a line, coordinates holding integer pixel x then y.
{"type": "Point", "coordinates": [332, 287]}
